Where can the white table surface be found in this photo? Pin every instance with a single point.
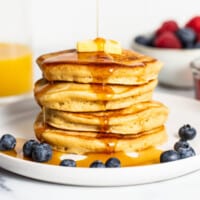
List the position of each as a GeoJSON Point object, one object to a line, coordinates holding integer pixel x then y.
{"type": "Point", "coordinates": [15, 187]}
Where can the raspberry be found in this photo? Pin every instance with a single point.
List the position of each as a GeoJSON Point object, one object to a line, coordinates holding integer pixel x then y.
{"type": "Point", "coordinates": [170, 26]}
{"type": "Point", "coordinates": [194, 24]}
{"type": "Point", "coordinates": [167, 40]}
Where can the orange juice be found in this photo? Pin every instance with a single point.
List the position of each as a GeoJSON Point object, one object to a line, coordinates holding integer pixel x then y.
{"type": "Point", "coordinates": [15, 69]}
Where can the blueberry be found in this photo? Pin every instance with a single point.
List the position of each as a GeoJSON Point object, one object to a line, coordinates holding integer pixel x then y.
{"type": "Point", "coordinates": [7, 142]}
{"type": "Point", "coordinates": [28, 147]}
{"type": "Point", "coordinates": [170, 155]}
{"type": "Point", "coordinates": [186, 35]}
{"type": "Point", "coordinates": [113, 162]}
{"type": "Point", "coordinates": [181, 144]}
{"type": "Point", "coordinates": [41, 152]}
{"type": "Point", "coordinates": [184, 149]}
{"type": "Point", "coordinates": [97, 164]}
{"type": "Point", "coordinates": [197, 45]}
{"type": "Point", "coordinates": [151, 41]}
{"type": "Point", "coordinates": [187, 132]}
{"type": "Point", "coordinates": [189, 45]}
{"type": "Point", "coordinates": [147, 41]}
{"type": "Point", "coordinates": [186, 152]}
{"type": "Point", "coordinates": [68, 163]}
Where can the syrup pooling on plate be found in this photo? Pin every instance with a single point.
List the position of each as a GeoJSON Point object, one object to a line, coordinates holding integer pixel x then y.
{"type": "Point", "coordinates": [145, 157]}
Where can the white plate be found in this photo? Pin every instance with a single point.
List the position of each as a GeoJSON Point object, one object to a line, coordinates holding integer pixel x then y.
{"type": "Point", "coordinates": [18, 119]}
{"type": "Point", "coordinates": [4, 101]}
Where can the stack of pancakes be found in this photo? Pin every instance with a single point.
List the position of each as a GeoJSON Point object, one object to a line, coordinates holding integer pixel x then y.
{"type": "Point", "coordinates": [99, 102]}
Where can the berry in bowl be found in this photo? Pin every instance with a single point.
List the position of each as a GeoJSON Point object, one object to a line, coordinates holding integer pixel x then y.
{"type": "Point", "coordinates": [176, 47]}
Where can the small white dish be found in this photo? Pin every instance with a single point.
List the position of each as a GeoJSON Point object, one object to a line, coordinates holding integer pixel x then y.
{"type": "Point", "coordinates": [176, 71]}
{"type": "Point", "coordinates": [18, 119]}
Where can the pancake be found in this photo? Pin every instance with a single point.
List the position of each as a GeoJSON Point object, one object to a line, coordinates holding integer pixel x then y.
{"type": "Point", "coordinates": [89, 142]}
{"type": "Point", "coordinates": [128, 68]}
{"type": "Point", "coordinates": [131, 120]}
{"type": "Point", "coordinates": [76, 97]}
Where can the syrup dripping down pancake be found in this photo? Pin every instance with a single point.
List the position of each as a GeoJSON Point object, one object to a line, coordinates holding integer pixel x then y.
{"type": "Point", "coordinates": [129, 68]}
{"type": "Point", "coordinates": [88, 142]}
{"type": "Point", "coordinates": [131, 120]}
{"type": "Point", "coordinates": [76, 97]}
{"type": "Point", "coordinates": [97, 102]}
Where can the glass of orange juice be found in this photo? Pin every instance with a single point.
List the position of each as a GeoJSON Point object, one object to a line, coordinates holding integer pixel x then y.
{"type": "Point", "coordinates": [15, 51]}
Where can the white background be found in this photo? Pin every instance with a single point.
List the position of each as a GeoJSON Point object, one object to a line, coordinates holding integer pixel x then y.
{"type": "Point", "coordinates": [60, 23]}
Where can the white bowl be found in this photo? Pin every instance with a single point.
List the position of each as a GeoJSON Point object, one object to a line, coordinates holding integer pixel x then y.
{"type": "Point", "coordinates": [176, 71]}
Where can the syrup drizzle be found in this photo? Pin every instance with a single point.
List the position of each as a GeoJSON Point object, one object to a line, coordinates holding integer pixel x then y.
{"type": "Point", "coordinates": [101, 69]}
{"type": "Point", "coordinates": [145, 157]}
{"type": "Point", "coordinates": [102, 66]}
{"type": "Point", "coordinates": [97, 18]}
{"type": "Point", "coordinates": [44, 115]}
{"type": "Point", "coordinates": [127, 58]}
{"type": "Point", "coordinates": [103, 90]}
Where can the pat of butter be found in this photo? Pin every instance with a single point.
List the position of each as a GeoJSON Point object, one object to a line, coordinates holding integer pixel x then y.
{"type": "Point", "coordinates": [99, 44]}
{"type": "Point", "coordinates": [112, 46]}
{"type": "Point", "coordinates": [87, 46]}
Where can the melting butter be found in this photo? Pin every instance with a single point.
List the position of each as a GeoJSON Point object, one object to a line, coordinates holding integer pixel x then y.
{"type": "Point", "coordinates": [99, 44]}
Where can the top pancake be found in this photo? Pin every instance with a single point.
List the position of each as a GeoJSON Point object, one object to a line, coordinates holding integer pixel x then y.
{"type": "Point", "coordinates": [129, 68]}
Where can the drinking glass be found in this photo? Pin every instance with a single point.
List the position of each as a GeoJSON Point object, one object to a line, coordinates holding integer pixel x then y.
{"type": "Point", "coordinates": [15, 50]}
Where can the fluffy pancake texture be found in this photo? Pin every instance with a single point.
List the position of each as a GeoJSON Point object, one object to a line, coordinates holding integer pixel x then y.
{"type": "Point", "coordinates": [129, 68]}
{"type": "Point", "coordinates": [87, 142]}
{"type": "Point", "coordinates": [131, 120]}
{"type": "Point", "coordinates": [97, 102]}
{"type": "Point", "coordinates": [76, 97]}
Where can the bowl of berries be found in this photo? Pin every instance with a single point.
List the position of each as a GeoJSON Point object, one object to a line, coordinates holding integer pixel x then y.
{"type": "Point", "coordinates": [176, 46]}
